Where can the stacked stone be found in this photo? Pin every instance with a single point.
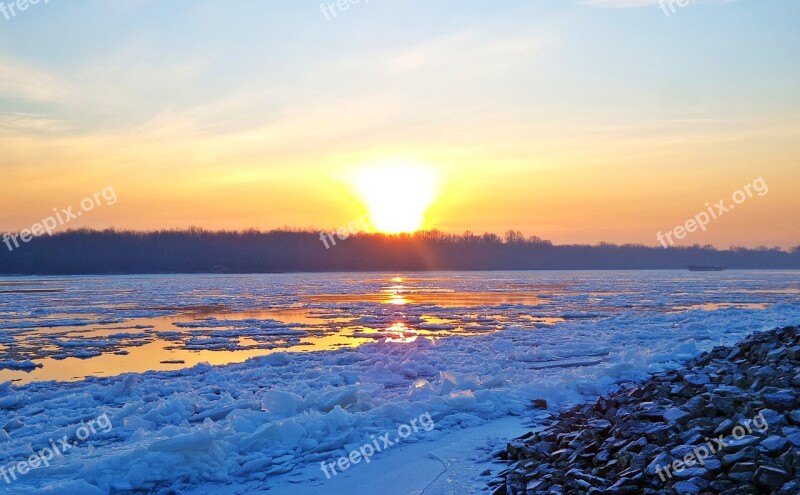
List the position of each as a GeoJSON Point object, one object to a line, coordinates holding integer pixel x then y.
{"type": "Point", "coordinates": [727, 423]}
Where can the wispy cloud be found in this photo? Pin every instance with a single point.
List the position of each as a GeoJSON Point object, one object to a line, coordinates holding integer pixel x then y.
{"type": "Point", "coordinates": [464, 45]}
{"type": "Point", "coordinates": [623, 4]}
{"type": "Point", "coordinates": [23, 122]}
{"type": "Point", "coordinates": [18, 80]}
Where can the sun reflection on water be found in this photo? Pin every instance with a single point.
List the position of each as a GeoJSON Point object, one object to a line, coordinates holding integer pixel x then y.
{"type": "Point", "coordinates": [396, 292]}
{"type": "Point", "coordinates": [400, 333]}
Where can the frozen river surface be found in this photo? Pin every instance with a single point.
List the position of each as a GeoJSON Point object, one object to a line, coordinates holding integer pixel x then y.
{"type": "Point", "coordinates": [245, 384]}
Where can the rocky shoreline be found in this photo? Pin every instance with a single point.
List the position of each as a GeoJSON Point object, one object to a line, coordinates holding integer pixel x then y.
{"type": "Point", "coordinates": [726, 423]}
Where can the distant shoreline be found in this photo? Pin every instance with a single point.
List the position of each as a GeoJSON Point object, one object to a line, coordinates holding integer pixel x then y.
{"type": "Point", "coordinates": [342, 272]}
{"type": "Point", "coordinates": [195, 251]}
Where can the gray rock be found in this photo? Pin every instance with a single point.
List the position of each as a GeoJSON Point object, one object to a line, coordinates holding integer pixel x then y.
{"type": "Point", "coordinates": [658, 432]}
{"type": "Point", "coordinates": [539, 404]}
{"type": "Point", "coordinates": [789, 430]}
{"type": "Point", "coordinates": [735, 444]}
{"type": "Point", "coordinates": [791, 487]}
{"type": "Point", "coordinates": [691, 472]}
{"type": "Point", "coordinates": [603, 457]}
{"type": "Point", "coordinates": [661, 461]}
{"type": "Point", "coordinates": [772, 417]}
{"type": "Point", "coordinates": [746, 454]}
{"type": "Point", "coordinates": [730, 390]}
{"type": "Point", "coordinates": [771, 478]}
{"type": "Point", "coordinates": [743, 471]}
{"type": "Point", "coordinates": [682, 390]}
{"type": "Point", "coordinates": [675, 415]}
{"type": "Point", "coordinates": [536, 485]}
{"type": "Point", "coordinates": [713, 465]}
{"type": "Point", "coordinates": [587, 478]}
{"type": "Point", "coordinates": [681, 451]}
{"type": "Point", "coordinates": [725, 405]}
{"type": "Point", "coordinates": [765, 372]}
{"type": "Point", "coordinates": [695, 405]}
{"type": "Point", "coordinates": [774, 445]}
{"type": "Point", "coordinates": [794, 438]}
{"type": "Point", "coordinates": [776, 354]}
{"type": "Point", "coordinates": [697, 380]}
{"type": "Point", "coordinates": [623, 487]}
{"type": "Point", "coordinates": [740, 380]}
{"type": "Point", "coordinates": [692, 437]}
{"type": "Point", "coordinates": [700, 482]}
{"type": "Point", "coordinates": [783, 400]}
{"type": "Point", "coordinates": [600, 425]}
{"type": "Point", "coordinates": [686, 487]}
{"type": "Point", "coordinates": [719, 486]}
{"type": "Point", "coordinates": [724, 427]}
{"type": "Point", "coordinates": [651, 414]}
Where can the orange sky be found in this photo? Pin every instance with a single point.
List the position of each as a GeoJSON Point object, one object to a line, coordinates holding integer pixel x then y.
{"type": "Point", "coordinates": [573, 122]}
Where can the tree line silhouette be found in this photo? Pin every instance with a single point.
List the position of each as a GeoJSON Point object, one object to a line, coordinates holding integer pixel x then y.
{"type": "Point", "coordinates": [289, 250]}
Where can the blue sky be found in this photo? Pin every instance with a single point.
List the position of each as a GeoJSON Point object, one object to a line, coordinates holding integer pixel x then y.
{"type": "Point", "coordinates": [707, 60]}
{"type": "Point", "coordinates": [230, 93]}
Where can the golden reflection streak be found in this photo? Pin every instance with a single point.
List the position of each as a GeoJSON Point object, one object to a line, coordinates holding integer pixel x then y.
{"type": "Point", "coordinates": [401, 334]}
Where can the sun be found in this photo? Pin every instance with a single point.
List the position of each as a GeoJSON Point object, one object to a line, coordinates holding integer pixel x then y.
{"type": "Point", "coordinates": [397, 194]}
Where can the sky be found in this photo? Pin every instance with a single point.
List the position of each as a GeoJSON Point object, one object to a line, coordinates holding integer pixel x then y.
{"type": "Point", "coordinates": [579, 121]}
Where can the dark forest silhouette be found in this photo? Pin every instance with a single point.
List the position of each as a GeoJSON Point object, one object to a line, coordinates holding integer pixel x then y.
{"type": "Point", "coordinates": [251, 251]}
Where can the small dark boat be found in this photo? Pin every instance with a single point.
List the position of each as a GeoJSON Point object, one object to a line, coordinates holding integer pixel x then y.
{"type": "Point", "coordinates": [706, 268]}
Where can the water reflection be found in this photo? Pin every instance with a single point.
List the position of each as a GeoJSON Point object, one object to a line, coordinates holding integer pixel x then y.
{"type": "Point", "coordinates": [400, 333]}
{"type": "Point", "coordinates": [396, 296]}
{"type": "Point", "coordinates": [91, 327]}
{"type": "Point", "coordinates": [715, 306]}
{"type": "Point", "coordinates": [441, 298]}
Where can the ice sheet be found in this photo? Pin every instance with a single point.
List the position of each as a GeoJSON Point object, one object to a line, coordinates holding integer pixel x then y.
{"type": "Point", "coordinates": [270, 421]}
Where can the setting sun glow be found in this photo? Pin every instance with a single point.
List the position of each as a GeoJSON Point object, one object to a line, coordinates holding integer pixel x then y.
{"type": "Point", "coordinates": [397, 195]}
